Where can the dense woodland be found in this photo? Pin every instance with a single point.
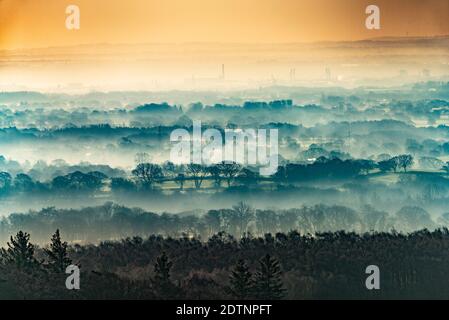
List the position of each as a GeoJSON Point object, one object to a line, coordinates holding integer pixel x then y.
{"type": "Point", "coordinates": [372, 162]}
{"type": "Point", "coordinates": [275, 266]}
{"type": "Point", "coordinates": [87, 177]}
{"type": "Point", "coordinates": [149, 176]}
{"type": "Point", "coordinates": [114, 222]}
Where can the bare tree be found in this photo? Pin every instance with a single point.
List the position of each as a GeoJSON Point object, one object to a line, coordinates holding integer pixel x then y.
{"type": "Point", "coordinates": [169, 168]}
{"type": "Point", "coordinates": [214, 172]}
{"type": "Point", "coordinates": [229, 170]}
{"type": "Point", "coordinates": [387, 165]}
{"type": "Point", "coordinates": [404, 161]}
{"type": "Point", "coordinates": [244, 214]}
{"type": "Point", "coordinates": [198, 172]}
{"type": "Point", "coordinates": [148, 173]}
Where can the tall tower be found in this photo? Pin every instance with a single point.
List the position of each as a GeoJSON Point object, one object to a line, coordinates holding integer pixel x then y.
{"type": "Point", "coordinates": [292, 74]}
{"type": "Point", "coordinates": [222, 77]}
{"type": "Point", "coordinates": [328, 73]}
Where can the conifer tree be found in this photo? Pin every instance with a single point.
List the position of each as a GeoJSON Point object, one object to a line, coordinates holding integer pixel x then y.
{"type": "Point", "coordinates": [20, 251]}
{"type": "Point", "coordinates": [164, 288]}
{"type": "Point", "coordinates": [162, 269]}
{"type": "Point", "coordinates": [241, 281]}
{"type": "Point", "coordinates": [268, 283]}
{"type": "Point", "coordinates": [57, 254]}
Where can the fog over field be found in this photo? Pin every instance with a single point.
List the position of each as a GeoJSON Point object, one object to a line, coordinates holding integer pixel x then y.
{"type": "Point", "coordinates": [224, 66]}
{"type": "Point", "coordinates": [361, 125]}
{"type": "Point", "coordinates": [224, 150]}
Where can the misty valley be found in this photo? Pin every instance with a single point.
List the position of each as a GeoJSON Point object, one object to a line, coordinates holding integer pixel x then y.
{"type": "Point", "coordinates": [354, 148]}
{"type": "Point", "coordinates": [362, 177]}
{"type": "Point", "coordinates": [118, 162]}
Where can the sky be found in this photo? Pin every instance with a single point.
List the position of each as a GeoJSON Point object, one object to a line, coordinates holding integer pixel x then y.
{"type": "Point", "coordinates": [41, 23]}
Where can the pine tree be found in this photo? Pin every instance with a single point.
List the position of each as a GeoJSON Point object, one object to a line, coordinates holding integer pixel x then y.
{"type": "Point", "coordinates": [164, 288]}
{"type": "Point", "coordinates": [241, 281]}
{"type": "Point", "coordinates": [162, 269]}
{"type": "Point", "coordinates": [20, 252]}
{"type": "Point", "coordinates": [57, 254]}
{"type": "Point", "coordinates": [268, 283]}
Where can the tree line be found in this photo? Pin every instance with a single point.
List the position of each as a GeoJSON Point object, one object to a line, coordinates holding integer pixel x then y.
{"type": "Point", "coordinates": [111, 221]}
{"type": "Point", "coordinates": [18, 263]}
{"type": "Point", "coordinates": [146, 175]}
{"type": "Point", "coordinates": [274, 266]}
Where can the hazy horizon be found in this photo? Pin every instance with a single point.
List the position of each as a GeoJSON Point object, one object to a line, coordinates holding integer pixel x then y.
{"type": "Point", "coordinates": [225, 66]}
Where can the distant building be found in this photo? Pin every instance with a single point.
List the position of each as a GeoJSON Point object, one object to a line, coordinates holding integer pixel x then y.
{"type": "Point", "coordinates": [292, 74]}
{"type": "Point", "coordinates": [328, 73]}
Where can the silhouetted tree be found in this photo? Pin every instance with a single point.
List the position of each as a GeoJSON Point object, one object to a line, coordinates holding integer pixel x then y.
{"type": "Point", "coordinates": [244, 214]}
{"type": "Point", "coordinates": [20, 251]}
{"type": "Point", "coordinates": [247, 176]}
{"type": "Point", "coordinates": [214, 172]}
{"type": "Point", "coordinates": [229, 170]}
{"type": "Point", "coordinates": [366, 165]}
{"type": "Point", "coordinates": [241, 281]}
{"type": "Point", "coordinates": [405, 161]}
{"type": "Point", "coordinates": [169, 168]}
{"type": "Point", "coordinates": [162, 269]}
{"type": "Point", "coordinates": [267, 281]}
{"type": "Point", "coordinates": [148, 173]}
{"type": "Point", "coordinates": [161, 282]}
{"type": "Point", "coordinates": [79, 181]}
{"type": "Point", "coordinates": [5, 181]}
{"type": "Point", "coordinates": [23, 182]}
{"type": "Point", "coordinates": [57, 254]}
{"type": "Point", "coordinates": [198, 172]}
{"type": "Point", "coordinates": [122, 184]}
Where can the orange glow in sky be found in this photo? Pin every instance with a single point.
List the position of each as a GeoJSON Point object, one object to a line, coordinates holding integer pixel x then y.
{"type": "Point", "coordinates": [41, 23]}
